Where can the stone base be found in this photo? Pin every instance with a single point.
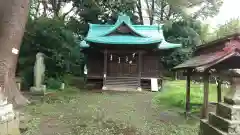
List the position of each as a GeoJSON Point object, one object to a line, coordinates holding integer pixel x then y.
{"type": "Point", "coordinates": [6, 109]}
{"type": "Point", "coordinates": [207, 129]}
{"type": "Point", "coordinates": [104, 88]}
{"type": "Point", "coordinates": [10, 126]}
{"type": "Point", "coordinates": [139, 89]}
{"type": "Point", "coordinates": [226, 121]}
{"type": "Point", "coordinates": [38, 91]}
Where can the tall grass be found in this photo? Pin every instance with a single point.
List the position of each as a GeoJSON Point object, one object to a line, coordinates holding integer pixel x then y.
{"type": "Point", "coordinates": [174, 94]}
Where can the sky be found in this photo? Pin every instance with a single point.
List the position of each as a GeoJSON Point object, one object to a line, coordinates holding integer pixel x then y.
{"type": "Point", "coordinates": [229, 9]}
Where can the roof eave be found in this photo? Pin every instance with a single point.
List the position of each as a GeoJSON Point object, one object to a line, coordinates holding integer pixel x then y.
{"type": "Point", "coordinates": [203, 66]}
{"type": "Point", "coordinates": [166, 45]}
{"type": "Point", "coordinates": [211, 43]}
{"type": "Point", "coordinates": [94, 40]}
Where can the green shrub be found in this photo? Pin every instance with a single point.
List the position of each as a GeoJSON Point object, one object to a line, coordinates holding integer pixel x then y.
{"type": "Point", "coordinates": [53, 83]}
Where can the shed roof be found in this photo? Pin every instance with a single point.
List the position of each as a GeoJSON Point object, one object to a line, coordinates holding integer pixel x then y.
{"type": "Point", "coordinates": [143, 34]}
{"type": "Point", "coordinates": [204, 61]}
{"type": "Point", "coordinates": [215, 42]}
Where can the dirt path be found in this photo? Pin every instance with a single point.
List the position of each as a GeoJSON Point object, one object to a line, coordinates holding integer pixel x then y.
{"type": "Point", "coordinates": [89, 113]}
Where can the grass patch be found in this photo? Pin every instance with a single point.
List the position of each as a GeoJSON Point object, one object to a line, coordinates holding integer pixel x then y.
{"type": "Point", "coordinates": [174, 95]}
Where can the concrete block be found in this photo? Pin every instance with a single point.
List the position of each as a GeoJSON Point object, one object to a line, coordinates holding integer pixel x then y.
{"type": "Point", "coordinates": [228, 126]}
{"type": "Point", "coordinates": [231, 112]}
{"type": "Point", "coordinates": [207, 129]}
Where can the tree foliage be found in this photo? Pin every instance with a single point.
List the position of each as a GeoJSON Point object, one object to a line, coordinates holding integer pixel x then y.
{"type": "Point", "coordinates": [172, 10]}
{"type": "Point", "coordinates": [56, 30]}
{"type": "Point", "coordinates": [51, 37]}
{"type": "Point", "coordinates": [186, 32]}
{"type": "Point", "coordinates": [230, 27]}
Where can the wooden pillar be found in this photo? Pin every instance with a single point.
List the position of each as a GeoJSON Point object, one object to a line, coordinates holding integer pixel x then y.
{"type": "Point", "coordinates": [105, 69]}
{"type": "Point", "coordinates": [219, 90]}
{"type": "Point", "coordinates": [139, 70]}
{"type": "Point", "coordinates": [188, 83]}
{"type": "Point", "coordinates": [205, 98]}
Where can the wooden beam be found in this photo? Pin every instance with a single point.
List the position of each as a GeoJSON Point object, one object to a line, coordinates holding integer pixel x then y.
{"type": "Point", "coordinates": [124, 51]}
{"type": "Point", "coordinates": [139, 69]}
{"type": "Point", "coordinates": [219, 90]}
{"type": "Point", "coordinates": [105, 68]}
{"type": "Point", "coordinates": [188, 87]}
{"type": "Point", "coordinates": [206, 92]}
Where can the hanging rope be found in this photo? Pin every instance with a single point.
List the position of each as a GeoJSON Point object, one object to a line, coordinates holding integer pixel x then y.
{"type": "Point", "coordinates": [127, 60]}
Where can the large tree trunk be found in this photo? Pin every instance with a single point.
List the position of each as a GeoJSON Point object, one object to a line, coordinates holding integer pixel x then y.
{"type": "Point", "coordinates": [13, 17]}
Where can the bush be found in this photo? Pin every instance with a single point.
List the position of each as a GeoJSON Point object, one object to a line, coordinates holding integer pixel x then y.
{"type": "Point", "coordinates": [53, 83]}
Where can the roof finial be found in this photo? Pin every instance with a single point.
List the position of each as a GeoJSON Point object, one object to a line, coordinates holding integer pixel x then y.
{"type": "Point", "coordinates": [122, 17]}
{"type": "Point", "coordinates": [121, 14]}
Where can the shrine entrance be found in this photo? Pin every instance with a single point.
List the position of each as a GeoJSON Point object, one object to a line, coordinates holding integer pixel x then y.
{"type": "Point", "coordinates": [122, 65]}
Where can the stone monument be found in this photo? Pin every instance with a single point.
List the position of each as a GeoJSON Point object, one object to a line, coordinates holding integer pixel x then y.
{"type": "Point", "coordinates": [226, 120]}
{"type": "Point", "coordinates": [39, 69]}
{"type": "Point", "coordinates": [9, 121]}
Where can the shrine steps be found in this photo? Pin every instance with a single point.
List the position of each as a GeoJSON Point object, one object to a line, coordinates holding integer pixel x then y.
{"type": "Point", "coordinates": [121, 84]}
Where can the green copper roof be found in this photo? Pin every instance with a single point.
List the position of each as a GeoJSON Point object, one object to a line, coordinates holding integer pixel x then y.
{"type": "Point", "coordinates": [166, 45]}
{"type": "Point", "coordinates": [123, 20]}
{"type": "Point", "coordinates": [143, 34]}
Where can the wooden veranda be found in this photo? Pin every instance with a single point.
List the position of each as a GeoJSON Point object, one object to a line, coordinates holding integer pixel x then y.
{"type": "Point", "coordinates": [213, 58]}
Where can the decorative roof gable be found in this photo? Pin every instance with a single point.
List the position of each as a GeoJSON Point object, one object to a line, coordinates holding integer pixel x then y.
{"type": "Point", "coordinates": [123, 32]}
{"type": "Point", "coordinates": [123, 21]}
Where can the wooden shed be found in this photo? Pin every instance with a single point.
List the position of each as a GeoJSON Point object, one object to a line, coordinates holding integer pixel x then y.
{"type": "Point", "coordinates": [216, 58]}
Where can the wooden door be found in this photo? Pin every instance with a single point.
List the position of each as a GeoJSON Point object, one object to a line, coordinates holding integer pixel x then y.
{"type": "Point", "coordinates": [122, 65]}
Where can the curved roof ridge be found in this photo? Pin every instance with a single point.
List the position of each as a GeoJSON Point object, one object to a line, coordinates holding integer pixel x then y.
{"type": "Point", "coordinates": [123, 19]}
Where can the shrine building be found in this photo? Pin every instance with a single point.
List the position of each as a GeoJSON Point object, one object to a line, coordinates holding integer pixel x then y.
{"type": "Point", "coordinates": [125, 56]}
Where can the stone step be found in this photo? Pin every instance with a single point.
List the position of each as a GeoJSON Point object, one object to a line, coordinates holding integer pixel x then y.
{"type": "Point", "coordinates": [207, 129]}
{"type": "Point", "coordinates": [121, 81]}
{"type": "Point", "coordinates": [120, 88]}
{"type": "Point", "coordinates": [231, 112]}
{"type": "Point", "coordinates": [123, 84]}
{"type": "Point", "coordinates": [120, 78]}
{"type": "Point", "coordinates": [223, 124]}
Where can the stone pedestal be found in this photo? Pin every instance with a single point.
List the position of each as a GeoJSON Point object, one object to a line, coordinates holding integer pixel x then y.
{"type": "Point", "coordinates": [104, 88]}
{"type": "Point", "coordinates": [9, 121]}
{"type": "Point", "coordinates": [226, 120]}
{"type": "Point", "coordinates": [38, 90]}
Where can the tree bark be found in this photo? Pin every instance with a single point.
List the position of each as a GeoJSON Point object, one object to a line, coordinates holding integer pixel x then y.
{"type": "Point", "coordinates": [152, 12]}
{"type": "Point", "coordinates": [45, 7]}
{"type": "Point", "coordinates": [139, 7]}
{"type": "Point", "coordinates": [13, 17]}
